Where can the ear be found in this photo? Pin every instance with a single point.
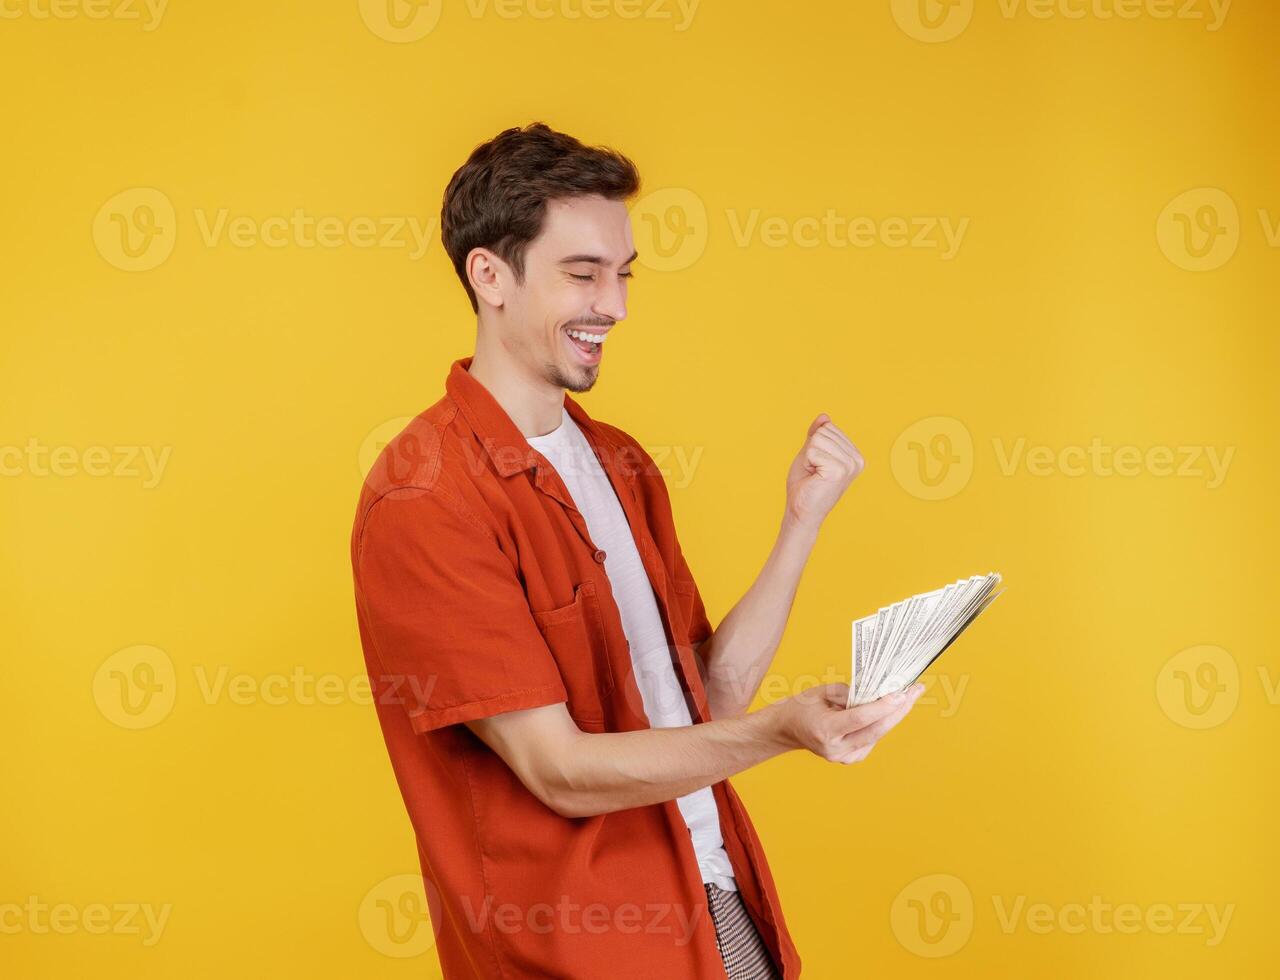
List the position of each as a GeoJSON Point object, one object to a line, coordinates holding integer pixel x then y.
{"type": "Point", "coordinates": [487, 274]}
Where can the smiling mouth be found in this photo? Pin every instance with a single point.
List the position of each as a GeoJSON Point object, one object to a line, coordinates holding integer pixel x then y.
{"type": "Point", "coordinates": [587, 351]}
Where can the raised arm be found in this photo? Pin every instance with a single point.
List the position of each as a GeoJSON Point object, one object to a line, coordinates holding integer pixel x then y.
{"type": "Point", "coordinates": [739, 652]}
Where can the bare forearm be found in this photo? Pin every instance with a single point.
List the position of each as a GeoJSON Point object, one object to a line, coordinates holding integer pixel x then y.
{"type": "Point", "coordinates": [615, 771]}
{"type": "Point", "coordinates": [580, 775]}
{"type": "Point", "coordinates": [740, 651]}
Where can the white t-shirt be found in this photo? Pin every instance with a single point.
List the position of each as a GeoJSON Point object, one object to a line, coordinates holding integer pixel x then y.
{"type": "Point", "coordinates": [567, 449]}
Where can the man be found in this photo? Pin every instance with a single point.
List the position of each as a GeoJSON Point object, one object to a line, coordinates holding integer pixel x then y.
{"type": "Point", "coordinates": [560, 715]}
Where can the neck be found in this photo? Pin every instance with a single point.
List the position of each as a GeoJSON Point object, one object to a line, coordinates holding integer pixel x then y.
{"type": "Point", "coordinates": [535, 406]}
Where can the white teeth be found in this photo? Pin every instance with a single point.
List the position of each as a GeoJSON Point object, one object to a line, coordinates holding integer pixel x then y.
{"type": "Point", "coordinates": [595, 338]}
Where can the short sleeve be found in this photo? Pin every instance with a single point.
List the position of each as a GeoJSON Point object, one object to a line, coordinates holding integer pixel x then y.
{"type": "Point", "coordinates": [443, 609]}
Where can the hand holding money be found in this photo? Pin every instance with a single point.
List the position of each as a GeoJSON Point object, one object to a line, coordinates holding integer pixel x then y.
{"type": "Point", "coordinates": [817, 719]}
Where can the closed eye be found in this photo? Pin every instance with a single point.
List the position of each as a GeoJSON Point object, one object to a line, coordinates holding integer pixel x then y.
{"type": "Point", "coordinates": [621, 275]}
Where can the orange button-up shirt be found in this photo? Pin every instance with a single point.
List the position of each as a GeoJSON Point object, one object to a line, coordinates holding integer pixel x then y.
{"type": "Point", "coordinates": [478, 591]}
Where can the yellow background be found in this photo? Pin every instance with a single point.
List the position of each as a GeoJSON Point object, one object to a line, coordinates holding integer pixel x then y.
{"type": "Point", "coordinates": [267, 818]}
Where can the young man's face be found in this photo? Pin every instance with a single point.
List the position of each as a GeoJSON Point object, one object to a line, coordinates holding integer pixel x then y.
{"type": "Point", "coordinates": [576, 274]}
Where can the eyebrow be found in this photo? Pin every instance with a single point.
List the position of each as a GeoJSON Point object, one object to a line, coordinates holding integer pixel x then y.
{"type": "Point", "coordinates": [594, 259]}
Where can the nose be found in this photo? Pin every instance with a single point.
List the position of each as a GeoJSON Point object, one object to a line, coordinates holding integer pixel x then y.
{"type": "Point", "coordinates": [611, 298]}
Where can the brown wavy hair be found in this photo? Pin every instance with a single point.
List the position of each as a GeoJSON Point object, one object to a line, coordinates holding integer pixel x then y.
{"type": "Point", "coordinates": [497, 199]}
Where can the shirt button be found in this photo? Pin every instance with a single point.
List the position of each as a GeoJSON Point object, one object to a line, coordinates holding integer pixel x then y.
{"type": "Point", "coordinates": [599, 556]}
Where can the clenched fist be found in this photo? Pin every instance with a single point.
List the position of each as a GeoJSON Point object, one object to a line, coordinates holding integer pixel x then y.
{"type": "Point", "coordinates": [823, 469]}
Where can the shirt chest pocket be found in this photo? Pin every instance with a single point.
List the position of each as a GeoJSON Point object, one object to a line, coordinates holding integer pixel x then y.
{"type": "Point", "coordinates": [576, 636]}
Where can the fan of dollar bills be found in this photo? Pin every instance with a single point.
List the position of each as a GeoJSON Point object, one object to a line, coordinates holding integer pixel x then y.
{"type": "Point", "coordinates": [894, 646]}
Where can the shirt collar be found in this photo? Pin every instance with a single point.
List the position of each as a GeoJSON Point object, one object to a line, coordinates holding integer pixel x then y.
{"type": "Point", "coordinates": [504, 443]}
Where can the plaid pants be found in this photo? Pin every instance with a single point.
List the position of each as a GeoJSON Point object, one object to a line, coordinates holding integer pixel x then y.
{"type": "Point", "coordinates": [744, 953]}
